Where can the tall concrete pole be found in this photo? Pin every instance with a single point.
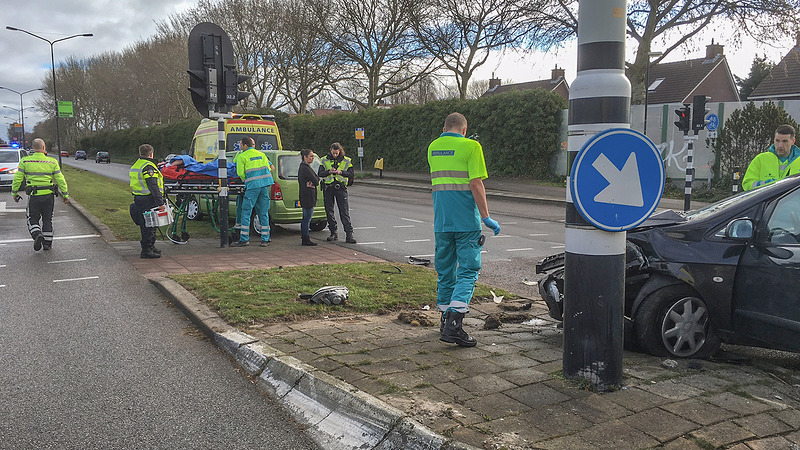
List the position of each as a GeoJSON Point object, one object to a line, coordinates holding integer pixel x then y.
{"type": "Point", "coordinates": [594, 275]}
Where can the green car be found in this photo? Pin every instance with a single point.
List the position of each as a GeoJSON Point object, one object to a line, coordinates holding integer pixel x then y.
{"type": "Point", "coordinates": [284, 195]}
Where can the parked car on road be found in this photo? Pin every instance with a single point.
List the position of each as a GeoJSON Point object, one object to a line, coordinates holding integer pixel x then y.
{"type": "Point", "coordinates": [102, 157]}
{"type": "Point", "coordinates": [9, 163]}
{"type": "Point", "coordinates": [80, 154]}
{"type": "Point", "coordinates": [728, 272]}
{"type": "Point", "coordinates": [64, 153]}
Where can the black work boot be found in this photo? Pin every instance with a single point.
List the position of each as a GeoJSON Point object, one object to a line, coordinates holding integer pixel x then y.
{"type": "Point", "coordinates": [155, 250]}
{"type": "Point", "coordinates": [350, 239]}
{"type": "Point", "coordinates": [148, 253]}
{"type": "Point", "coordinates": [333, 237]}
{"type": "Point", "coordinates": [453, 332]}
{"type": "Point", "coordinates": [38, 242]}
{"type": "Point", "coordinates": [307, 241]}
{"type": "Point", "coordinates": [441, 322]}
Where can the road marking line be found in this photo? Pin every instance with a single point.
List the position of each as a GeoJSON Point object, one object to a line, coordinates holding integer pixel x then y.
{"type": "Point", "coordinates": [403, 226]}
{"type": "Point", "coordinates": [501, 236]}
{"type": "Point", "coordinates": [364, 228]}
{"type": "Point", "coordinates": [66, 261]}
{"type": "Point", "coordinates": [539, 234]}
{"type": "Point", "coordinates": [2, 285]}
{"type": "Point", "coordinates": [3, 208]}
{"type": "Point", "coordinates": [417, 240]}
{"type": "Point", "coordinates": [412, 220]}
{"type": "Point", "coordinates": [370, 243]}
{"type": "Point", "coordinates": [83, 236]}
{"type": "Point", "coordinates": [534, 223]}
{"type": "Point", "coordinates": [518, 249]}
{"type": "Point", "coordinates": [2, 265]}
{"type": "Point", "coordinates": [76, 279]}
{"type": "Point", "coordinates": [509, 223]}
{"type": "Point", "coordinates": [557, 246]}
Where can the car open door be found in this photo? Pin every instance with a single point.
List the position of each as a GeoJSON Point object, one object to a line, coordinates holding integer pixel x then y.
{"type": "Point", "coordinates": [766, 299]}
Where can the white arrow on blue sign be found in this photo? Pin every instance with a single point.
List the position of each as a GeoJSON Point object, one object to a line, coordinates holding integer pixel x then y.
{"type": "Point", "coordinates": [617, 179]}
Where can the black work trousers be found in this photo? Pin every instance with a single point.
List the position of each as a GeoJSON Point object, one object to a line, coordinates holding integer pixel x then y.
{"type": "Point", "coordinates": [143, 203]}
{"type": "Point", "coordinates": [331, 195]}
{"type": "Point", "coordinates": [40, 209]}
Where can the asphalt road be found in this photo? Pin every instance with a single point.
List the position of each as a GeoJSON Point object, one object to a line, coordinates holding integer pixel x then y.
{"type": "Point", "coordinates": [93, 356]}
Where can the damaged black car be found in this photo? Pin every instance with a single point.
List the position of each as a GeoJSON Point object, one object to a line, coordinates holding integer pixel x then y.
{"type": "Point", "coordinates": [729, 272]}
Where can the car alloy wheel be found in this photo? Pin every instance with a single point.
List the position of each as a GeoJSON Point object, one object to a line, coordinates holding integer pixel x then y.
{"type": "Point", "coordinates": [675, 321]}
{"type": "Point", "coordinates": [193, 209]}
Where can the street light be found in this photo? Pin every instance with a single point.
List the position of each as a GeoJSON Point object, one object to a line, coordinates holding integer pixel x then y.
{"type": "Point", "coordinates": [20, 107]}
{"type": "Point", "coordinates": [53, 66]}
{"type": "Point", "coordinates": [647, 85]}
{"type": "Point", "coordinates": [21, 114]}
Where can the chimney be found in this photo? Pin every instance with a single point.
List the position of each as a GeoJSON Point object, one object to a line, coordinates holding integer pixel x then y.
{"type": "Point", "coordinates": [556, 74]}
{"type": "Point", "coordinates": [713, 50]}
{"type": "Point", "coordinates": [494, 82]}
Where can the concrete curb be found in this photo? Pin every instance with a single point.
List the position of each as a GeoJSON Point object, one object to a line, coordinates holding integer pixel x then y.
{"type": "Point", "coordinates": [337, 414]}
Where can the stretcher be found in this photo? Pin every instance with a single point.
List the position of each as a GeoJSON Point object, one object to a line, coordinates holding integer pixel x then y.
{"type": "Point", "coordinates": [181, 186]}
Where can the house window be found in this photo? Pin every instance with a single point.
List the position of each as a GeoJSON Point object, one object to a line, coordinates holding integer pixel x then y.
{"type": "Point", "coordinates": [655, 85]}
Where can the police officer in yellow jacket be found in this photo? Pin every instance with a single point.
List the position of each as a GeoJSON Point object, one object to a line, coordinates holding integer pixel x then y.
{"type": "Point", "coordinates": [335, 173]}
{"type": "Point", "coordinates": [779, 161]}
{"type": "Point", "coordinates": [147, 186]}
{"type": "Point", "coordinates": [459, 206]}
{"type": "Point", "coordinates": [44, 179]}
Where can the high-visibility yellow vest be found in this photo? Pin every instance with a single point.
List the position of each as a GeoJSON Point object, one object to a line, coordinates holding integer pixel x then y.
{"type": "Point", "coordinates": [139, 177]}
{"type": "Point", "coordinates": [344, 164]}
{"type": "Point", "coordinates": [41, 172]}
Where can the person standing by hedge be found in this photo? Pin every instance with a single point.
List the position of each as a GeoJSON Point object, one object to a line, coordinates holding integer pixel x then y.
{"type": "Point", "coordinates": [459, 205]}
{"type": "Point", "coordinates": [336, 172]}
{"type": "Point", "coordinates": [780, 160]}
{"type": "Point", "coordinates": [308, 180]}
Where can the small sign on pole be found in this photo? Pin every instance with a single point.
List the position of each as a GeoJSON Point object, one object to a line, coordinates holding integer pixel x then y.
{"type": "Point", "coordinates": [359, 134]}
{"type": "Point", "coordinates": [64, 109]}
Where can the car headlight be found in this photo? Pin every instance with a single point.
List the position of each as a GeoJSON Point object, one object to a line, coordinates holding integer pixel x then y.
{"type": "Point", "coordinates": [12, 171]}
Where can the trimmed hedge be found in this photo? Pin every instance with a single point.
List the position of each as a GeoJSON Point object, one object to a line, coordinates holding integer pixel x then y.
{"type": "Point", "coordinates": [519, 132]}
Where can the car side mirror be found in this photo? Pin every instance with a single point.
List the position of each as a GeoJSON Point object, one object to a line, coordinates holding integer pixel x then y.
{"type": "Point", "coordinates": [740, 229]}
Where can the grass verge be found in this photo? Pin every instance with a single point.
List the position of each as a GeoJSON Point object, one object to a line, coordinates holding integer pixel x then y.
{"type": "Point", "coordinates": [109, 200]}
{"type": "Point", "coordinates": [271, 295]}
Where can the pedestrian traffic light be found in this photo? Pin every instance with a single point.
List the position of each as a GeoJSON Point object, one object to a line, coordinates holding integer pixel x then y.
{"type": "Point", "coordinates": [699, 112]}
{"type": "Point", "coordinates": [232, 81]}
{"type": "Point", "coordinates": [683, 118]}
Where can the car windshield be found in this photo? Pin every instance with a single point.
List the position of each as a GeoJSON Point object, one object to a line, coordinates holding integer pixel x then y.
{"type": "Point", "coordinates": [723, 204]}
{"type": "Point", "coordinates": [263, 142]}
{"type": "Point", "coordinates": [288, 165]}
{"type": "Point", "coordinates": [9, 156]}
{"type": "Point", "coordinates": [102, 153]}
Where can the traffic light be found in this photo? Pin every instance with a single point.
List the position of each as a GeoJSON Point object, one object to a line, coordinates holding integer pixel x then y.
{"type": "Point", "coordinates": [210, 57]}
{"type": "Point", "coordinates": [699, 112]}
{"type": "Point", "coordinates": [683, 118]}
{"type": "Point", "coordinates": [232, 81]}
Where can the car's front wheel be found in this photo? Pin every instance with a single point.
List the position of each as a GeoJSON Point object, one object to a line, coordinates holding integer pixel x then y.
{"type": "Point", "coordinates": [193, 209]}
{"type": "Point", "coordinates": [675, 321]}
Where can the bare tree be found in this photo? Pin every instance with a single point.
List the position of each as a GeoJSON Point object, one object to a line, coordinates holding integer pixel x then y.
{"type": "Point", "coordinates": [462, 34]}
{"type": "Point", "coordinates": [377, 50]}
{"type": "Point", "coordinates": [677, 22]}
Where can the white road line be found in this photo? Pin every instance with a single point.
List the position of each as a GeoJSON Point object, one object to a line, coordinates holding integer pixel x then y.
{"type": "Point", "coordinates": [518, 249]}
{"type": "Point", "coordinates": [539, 234]}
{"type": "Point", "coordinates": [2, 265]}
{"type": "Point", "coordinates": [412, 220]}
{"type": "Point", "coordinates": [535, 223]}
{"type": "Point", "coordinates": [501, 236]}
{"type": "Point", "coordinates": [76, 279]}
{"type": "Point", "coordinates": [403, 226]}
{"type": "Point", "coordinates": [3, 208]}
{"type": "Point", "coordinates": [417, 240]}
{"type": "Point", "coordinates": [364, 228]}
{"type": "Point", "coordinates": [484, 251]}
{"type": "Point", "coordinates": [370, 243]}
{"type": "Point", "coordinates": [557, 246]}
{"type": "Point", "coordinates": [2, 285]}
{"type": "Point", "coordinates": [509, 223]}
{"type": "Point", "coordinates": [66, 261]}
{"type": "Point", "coordinates": [83, 236]}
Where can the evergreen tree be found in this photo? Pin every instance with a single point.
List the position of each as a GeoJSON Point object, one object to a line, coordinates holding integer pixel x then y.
{"type": "Point", "coordinates": [758, 71]}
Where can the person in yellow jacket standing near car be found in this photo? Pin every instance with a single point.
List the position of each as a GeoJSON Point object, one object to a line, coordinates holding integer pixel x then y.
{"type": "Point", "coordinates": [779, 161]}
{"type": "Point", "coordinates": [147, 186]}
{"type": "Point", "coordinates": [44, 179]}
{"type": "Point", "coordinates": [459, 206]}
{"type": "Point", "coordinates": [336, 172]}
{"type": "Point", "coordinates": [255, 169]}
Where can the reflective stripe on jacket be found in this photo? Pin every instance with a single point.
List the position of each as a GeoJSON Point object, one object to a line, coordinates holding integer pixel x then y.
{"type": "Point", "coordinates": [42, 172]}
{"type": "Point", "coordinates": [139, 172]}
{"type": "Point", "coordinates": [254, 168]}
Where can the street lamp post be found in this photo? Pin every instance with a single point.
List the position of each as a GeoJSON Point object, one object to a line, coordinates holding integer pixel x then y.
{"type": "Point", "coordinates": [647, 85]}
{"type": "Point", "coordinates": [53, 66]}
{"type": "Point", "coordinates": [21, 118]}
{"type": "Point", "coordinates": [21, 108]}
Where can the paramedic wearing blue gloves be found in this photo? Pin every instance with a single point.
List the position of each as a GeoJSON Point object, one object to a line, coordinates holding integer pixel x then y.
{"type": "Point", "coordinates": [255, 170]}
{"type": "Point", "coordinates": [459, 206]}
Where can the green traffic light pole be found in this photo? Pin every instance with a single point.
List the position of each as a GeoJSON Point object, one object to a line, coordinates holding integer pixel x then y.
{"type": "Point", "coordinates": [22, 114]}
{"type": "Point", "coordinates": [53, 67]}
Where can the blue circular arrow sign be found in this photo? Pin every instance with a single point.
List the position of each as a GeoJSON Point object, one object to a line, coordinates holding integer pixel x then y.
{"type": "Point", "coordinates": [617, 179]}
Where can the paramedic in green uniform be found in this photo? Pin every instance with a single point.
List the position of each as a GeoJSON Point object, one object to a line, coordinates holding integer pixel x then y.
{"type": "Point", "coordinates": [459, 206]}
{"type": "Point", "coordinates": [255, 169]}
{"type": "Point", "coordinates": [779, 161]}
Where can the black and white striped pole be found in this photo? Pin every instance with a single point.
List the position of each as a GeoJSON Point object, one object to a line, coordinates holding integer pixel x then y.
{"type": "Point", "coordinates": [735, 185]}
{"type": "Point", "coordinates": [594, 267]}
{"type": "Point", "coordinates": [687, 187]}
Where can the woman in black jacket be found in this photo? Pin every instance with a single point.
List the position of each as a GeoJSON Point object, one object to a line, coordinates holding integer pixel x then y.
{"type": "Point", "coordinates": [308, 180]}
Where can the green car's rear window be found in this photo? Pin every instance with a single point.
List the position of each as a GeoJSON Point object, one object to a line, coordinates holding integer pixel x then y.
{"type": "Point", "coordinates": [289, 164]}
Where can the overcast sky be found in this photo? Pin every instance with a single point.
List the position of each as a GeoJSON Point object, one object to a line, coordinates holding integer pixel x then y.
{"type": "Point", "coordinates": [117, 24]}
